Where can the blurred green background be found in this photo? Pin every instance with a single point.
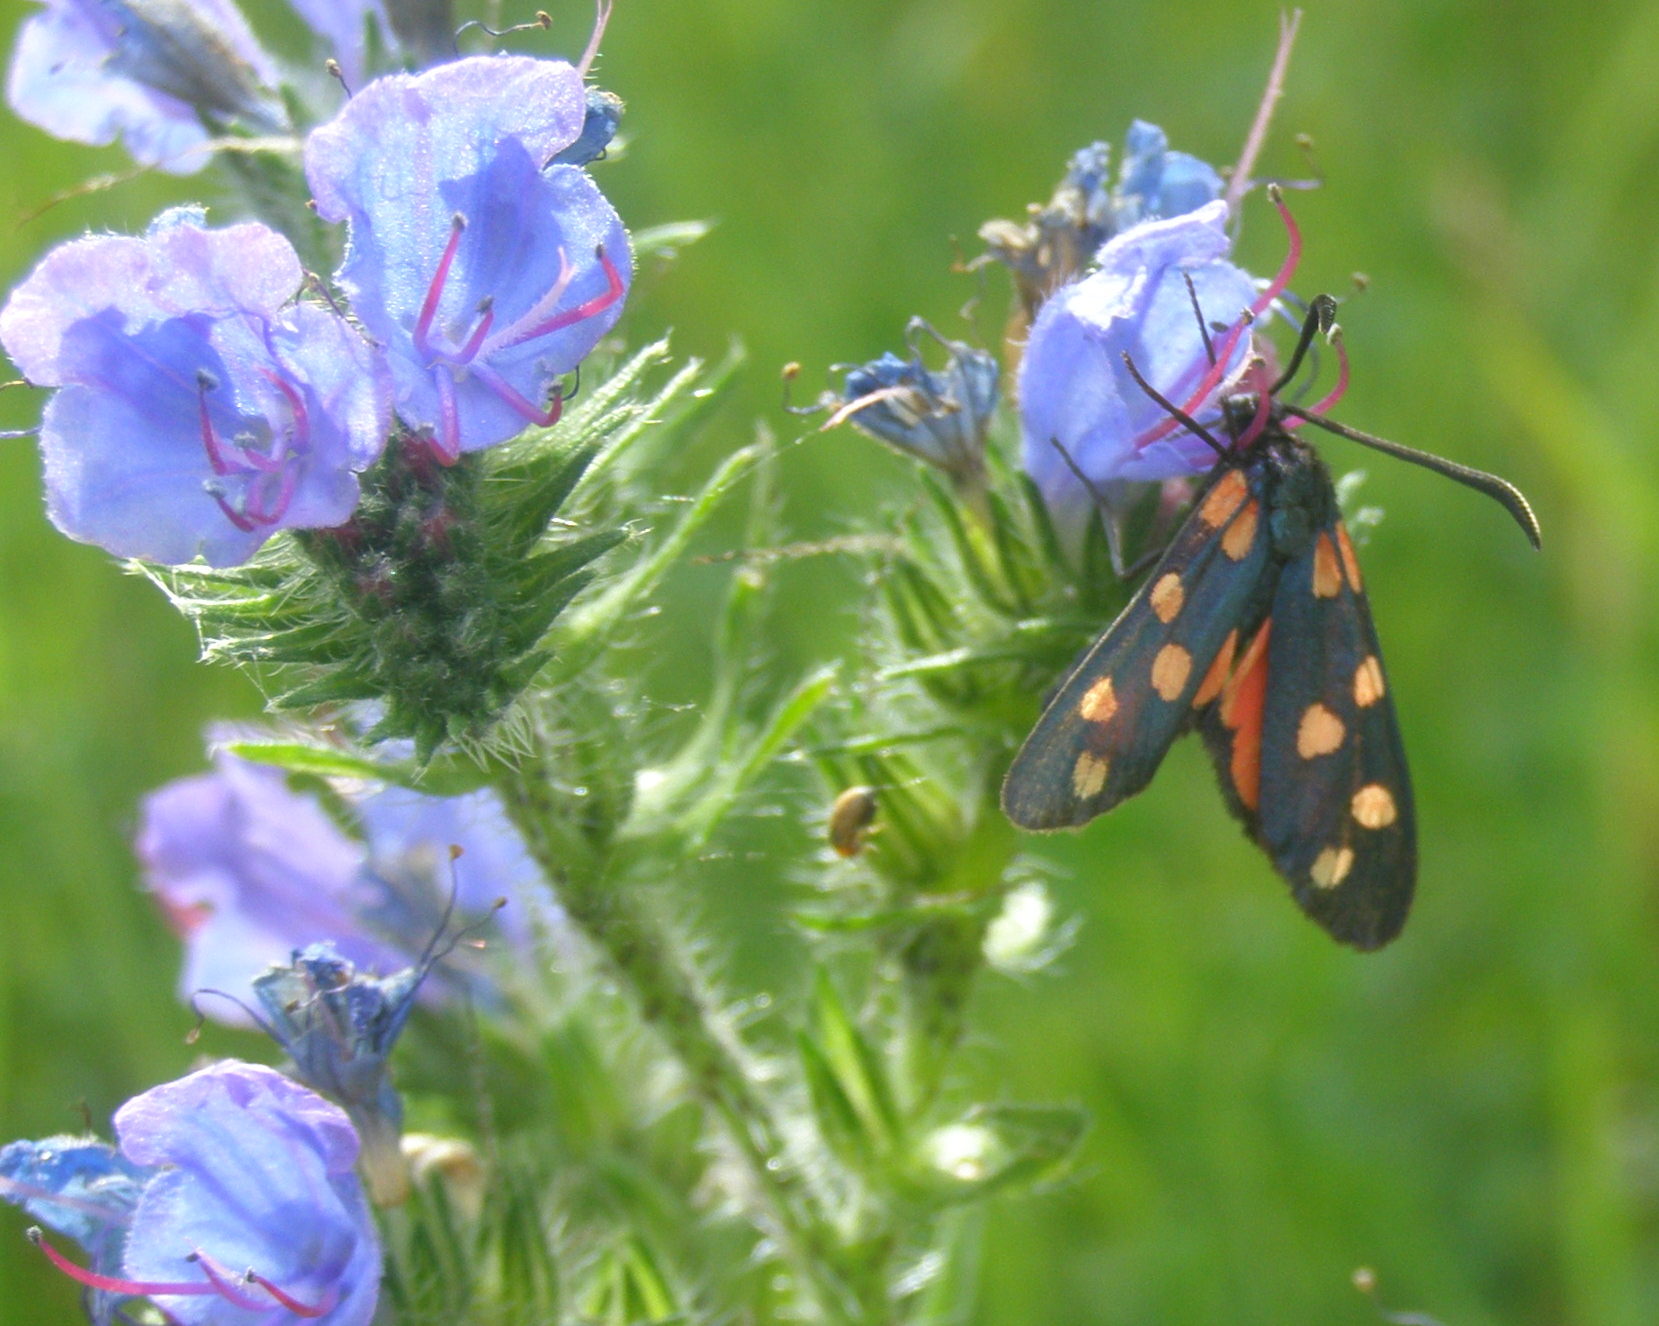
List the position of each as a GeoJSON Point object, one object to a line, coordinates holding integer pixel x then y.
{"type": "Point", "coordinates": [1473, 1112]}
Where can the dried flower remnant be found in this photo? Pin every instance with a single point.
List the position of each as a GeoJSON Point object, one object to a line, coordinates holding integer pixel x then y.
{"type": "Point", "coordinates": [937, 417]}
{"type": "Point", "coordinates": [1061, 238]}
{"type": "Point", "coordinates": [198, 411]}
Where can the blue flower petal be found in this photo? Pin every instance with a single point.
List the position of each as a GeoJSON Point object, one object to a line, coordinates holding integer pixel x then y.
{"type": "Point", "coordinates": [199, 412]}
{"type": "Point", "coordinates": [259, 1177]}
{"type": "Point", "coordinates": [479, 322]}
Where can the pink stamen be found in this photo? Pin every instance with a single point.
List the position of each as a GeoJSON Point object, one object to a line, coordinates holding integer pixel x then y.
{"type": "Point", "coordinates": [328, 1303]}
{"type": "Point", "coordinates": [446, 446]}
{"type": "Point", "coordinates": [234, 516]}
{"type": "Point", "coordinates": [216, 1284]}
{"type": "Point", "coordinates": [598, 304]}
{"type": "Point", "coordinates": [469, 351]}
{"type": "Point", "coordinates": [1276, 287]}
{"type": "Point", "coordinates": [435, 291]}
{"type": "Point", "coordinates": [210, 439]}
{"type": "Point", "coordinates": [226, 1285]}
{"type": "Point", "coordinates": [516, 400]}
{"type": "Point", "coordinates": [300, 438]}
{"type": "Point", "coordinates": [1337, 392]}
{"type": "Point", "coordinates": [600, 20]}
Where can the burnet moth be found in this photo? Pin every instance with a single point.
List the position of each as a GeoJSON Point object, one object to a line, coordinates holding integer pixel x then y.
{"type": "Point", "coordinates": [1253, 627]}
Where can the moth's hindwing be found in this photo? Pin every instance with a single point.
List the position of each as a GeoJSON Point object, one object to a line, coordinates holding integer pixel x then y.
{"type": "Point", "coordinates": [1308, 750]}
{"type": "Point", "coordinates": [1106, 730]}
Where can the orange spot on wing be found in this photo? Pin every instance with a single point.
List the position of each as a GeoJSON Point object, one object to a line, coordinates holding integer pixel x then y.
{"type": "Point", "coordinates": [1327, 570]}
{"type": "Point", "coordinates": [1167, 597]}
{"type": "Point", "coordinates": [1242, 700]}
{"type": "Point", "coordinates": [1350, 563]}
{"type": "Point", "coordinates": [1099, 702]}
{"type": "Point", "coordinates": [1242, 532]}
{"type": "Point", "coordinates": [1170, 670]}
{"type": "Point", "coordinates": [1225, 498]}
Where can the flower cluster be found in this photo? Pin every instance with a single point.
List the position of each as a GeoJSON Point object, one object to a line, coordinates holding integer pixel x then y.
{"type": "Point", "coordinates": [203, 399]}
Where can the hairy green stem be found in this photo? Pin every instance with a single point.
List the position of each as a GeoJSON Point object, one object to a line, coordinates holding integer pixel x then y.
{"type": "Point", "coordinates": [673, 1001]}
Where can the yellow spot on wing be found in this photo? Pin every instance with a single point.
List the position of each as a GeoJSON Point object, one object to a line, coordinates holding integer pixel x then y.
{"type": "Point", "coordinates": [1167, 597]}
{"type": "Point", "coordinates": [1350, 563]}
{"type": "Point", "coordinates": [1374, 807]}
{"type": "Point", "coordinates": [1331, 866]}
{"type": "Point", "coordinates": [1225, 498]}
{"type": "Point", "coordinates": [1088, 775]}
{"type": "Point", "coordinates": [1368, 681]}
{"type": "Point", "coordinates": [1098, 703]}
{"type": "Point", "coordinates": [1170, 670]}
{"type": "Point", "coordinates": [1327, 570]}
{"type": "Point", "coordinates": [1319, 733]}
{"type": "Point", "coordinates": [1210, 687]}
{"type": "Point", "coordinates": [1242, 532]}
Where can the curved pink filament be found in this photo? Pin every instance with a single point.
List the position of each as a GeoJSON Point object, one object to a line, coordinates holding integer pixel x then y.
{"type": "Point", "coordinates": [435, 289]}
{"type": "Point", "coordinates": [598, 304]}
{"type": "Point", "coordinates": [299, 438]}
{"type": "Point", "coordinates": [517, 402]}
{"type": "Point", "coordinates": [224, 1283]}
{"type": "Point", "coordinates": [446, 445]}
{"type": "Point", "coordinates": [210, 440]}
{"type": "Point", "coordinates": [217, 1283]}
{"type": "Point", "coordinates": [1260, 305]}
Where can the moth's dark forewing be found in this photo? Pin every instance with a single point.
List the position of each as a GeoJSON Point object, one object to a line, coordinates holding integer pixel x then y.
{"type": "Point", "coordinates": [1335, 810]}
{"type": "Point", "coordinates": [1107, 728]}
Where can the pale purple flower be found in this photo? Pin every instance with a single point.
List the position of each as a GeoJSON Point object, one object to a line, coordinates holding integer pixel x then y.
{"type": "Point", "coordinates": [239, 1204]}
{"type": "Point", "coordinates": [154, 73]}
{"type": "Point", "coordinates": [248, 871]}
{"type": "Point", "coordinates": [1076, 392]}
{"type": "Point", "coordinates": [251, 872]}
{"type": "Point", "coordinates": [198, 410]}
{"type": "Point", "coordinates": [486, 272]}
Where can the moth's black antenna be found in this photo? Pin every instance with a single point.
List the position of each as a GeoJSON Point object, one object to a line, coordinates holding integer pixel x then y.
{"type": "Point", "coordinates": [1319, 321]}
{"type": "Point", "coordinates": [1174, 411]}
{"type": "Point", "coordinates": [1198, 312]}
{"type": "Point", "coordinates": [1501, 491]}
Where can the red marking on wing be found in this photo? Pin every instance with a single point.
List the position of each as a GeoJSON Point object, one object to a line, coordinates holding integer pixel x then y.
{"type": "Point", "coordinates": [1241, 710]}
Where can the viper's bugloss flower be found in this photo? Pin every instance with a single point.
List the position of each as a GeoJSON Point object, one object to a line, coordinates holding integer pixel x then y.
{"type": "Point", "coordinates": [486, 272]}
{"type": "Point", "coordinates": [940, 418]}
{"type": "Point", "coordinates": [1076, 392]}
{"type": "Point", "coordinates": [157, 74]}
{"type": "Point", "coordinates": [248, 1210]}
{"type": "Point", "coordinates": [339, 1025]}
{"type": "Point", "coordinates": [249, 871]}
{"type": "Point", "coordinates": [1154, 182]}
{"type": "Point", "coordinates": [198, 410]}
